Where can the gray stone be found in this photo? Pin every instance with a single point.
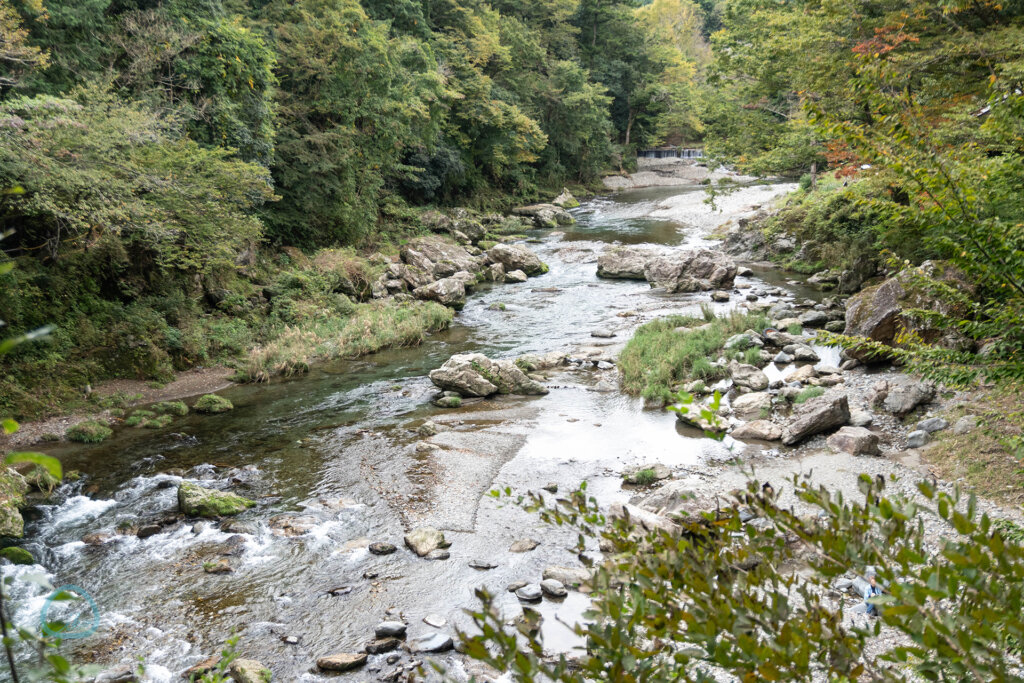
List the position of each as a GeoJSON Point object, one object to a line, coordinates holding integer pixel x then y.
{"type": "Point", "coordinates": [813, 319]}
{"type": "Point", "coordinates": [659, 472]}
{"type": "Point", "coordinates": [438, 555]}
{"type": "Point", "coordinates": [739, 341]}
{"type": "Point", "coordinates": [432, 642]}
{"type": "Point", "coordinates": [390, 629]}
{"type": "Point", "coordinates": [482, 564]}
{"type": "Point", "coordinates": [382, 645]}
{"type": "Point", "coordinates": [817, 415]}
{"type": "Point", "coordinates": [120, 674]}
{"type": "Point", "coordinates": [782, 358]}
{"type": "Point", "coordinates": [933, 424]}
{"type": "Point", "coordinates": [752, 406]}
{"type": "Point", "coordinates": [449, 291]}
{"type": "Point", "coordinates": [516, 257]}
{"type": "Point", "coordinates": [248, 671]}
{"type": "Point", "coordinates": [906, 393]}
{"type": "Point", "coordinates": [553, 588]}
{"type": "Point", "coordinates": [855, 441]}
{"type": "Point", "coordinates": [758, 430]}
{"type": "Point", "coordinates": [546, 215]}
{"type": "Point", "coordinates": [516, 585]}
{"type": "Point", "coordinates": [435, 620]}
{"type": "Point", "coordinates": [917, 438]}
{"type": "Point", "coordinates": [624, 263]}
{"type": "Point", "coordinates": [531, 592]}
{"type": "Point", "coordinates": [515, 276]}
{"type": "Point", "coordinates": [719, 295]}
{"type": "Point", "coordinates": [804, 353]}
{"type": "Point", "coordinates": [748, 376]}
{"type": "Point", "coordinates": [565, 200]}
{"type": "Point", "coordinates": [424, 540]}
{"type": "Point", "coordinates": [602, 334]}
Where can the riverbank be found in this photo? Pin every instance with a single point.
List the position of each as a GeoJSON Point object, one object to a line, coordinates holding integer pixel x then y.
{"type": "Point", "coordinates": [346, 460]}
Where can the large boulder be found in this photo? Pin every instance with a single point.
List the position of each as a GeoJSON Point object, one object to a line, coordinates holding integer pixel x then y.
{"type": "Point", "coordinates": [476, 375]}
{"type": "Point", "coordinates": [517, 257]}
{"type": "Point", "coordinates": [435, 257]}
{"type": "Point", "coordinates": [625, 263]}
{"type": "Point", "coordinates": [691, 270]}
{"type": "Point", "coordinates": [748, 376]}
{"type": "Point", "coordinates": [197, 501]}
{"type": "Point", "coordinates": [817, 415]}
{"type": "Point", "coordinates": [880, 313]}
{"type": "Point", "coordinates": [13, 488]}
{"type": "Point", "coordinates": [449, 291]}
{"type": "Point", "coordinates": [545, 215]}
{"type": "Point", "coordinates": [855, 441]}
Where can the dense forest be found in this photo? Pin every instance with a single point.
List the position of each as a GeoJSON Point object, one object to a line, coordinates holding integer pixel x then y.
{"type": "Point", "coordinates": [156, 157]}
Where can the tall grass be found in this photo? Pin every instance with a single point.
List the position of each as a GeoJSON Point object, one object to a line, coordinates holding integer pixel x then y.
{"type": "Point", "coordinates": [658, 359]}
{"type": "Point", "coordinates": [371, 327]}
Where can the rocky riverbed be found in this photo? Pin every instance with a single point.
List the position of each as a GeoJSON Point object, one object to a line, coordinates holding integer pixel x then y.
{"type": "Point", "coordinates": [367, 527]}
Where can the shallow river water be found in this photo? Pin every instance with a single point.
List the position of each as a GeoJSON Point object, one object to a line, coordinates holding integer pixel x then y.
{"type": "Point", "coordinates": [333, 452]}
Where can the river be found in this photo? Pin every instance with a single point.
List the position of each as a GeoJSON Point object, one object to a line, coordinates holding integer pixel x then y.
{"type": "Point", "coordinates": [334, 451]}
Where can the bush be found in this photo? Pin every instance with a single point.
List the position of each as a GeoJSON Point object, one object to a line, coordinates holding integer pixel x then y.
{"type": "Point", "coordinates": [90, 431]}
{"type": "Point", "coordinates": [212, 404]}
{"type": "Point", "coordinates": [645, 477]}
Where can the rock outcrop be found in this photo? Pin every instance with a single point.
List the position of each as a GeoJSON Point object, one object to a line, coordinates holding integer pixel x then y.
{"type": "Point", "coordinates": [855, 441]}
{"type": "Point", "coordinates": [625, 263]}
{"type": "Point", "coordinates": [449, 291]}
{"type": "Point", "coordinates": [880, 312]}
{"type": "Point", "coordinates": [13, 488]}
{"type": "Point", "coordinates": [476, 375]}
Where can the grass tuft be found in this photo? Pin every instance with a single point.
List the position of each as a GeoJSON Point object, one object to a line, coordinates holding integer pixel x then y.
{"type": "Point", "coordinates": [807, 394]}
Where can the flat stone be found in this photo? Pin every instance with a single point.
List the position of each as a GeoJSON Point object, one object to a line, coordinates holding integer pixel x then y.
{"type": "Point", "coordinates": [758, 430]}
{"type": "Point", "coordinates": [516, 276]}
{"type": "Point", "coordinates": [752, 406]}
{"type": "Point", "coordinates": [657, 472]}
{"type": "Point", "coordinates": [482, 564]}
{"type": "Point", "coordinates": [964, 425]}
{"type": "Point", "coordinates": [249, 671]}
{"type": "Point", "coordinates": [531, 592]}
{"type": "Point", "coordinates": [435, 620]}
{"type": "Point", "coordinates": [342, 661]}
{"type": "Point", "coordinates": [782, 358]}
{"type": "Point", "coordinates": [602, 334]}
{"type": "Point", "coordinates": [390, 629]}
{"type": "Point", "coordinates": [861, 418]}
{"type": "Point", "coordinates": [523, 545]}
{"type": "Point", "coordinates": [148, 530]}
{"type": "Point", "coordinates": [382, 645]}
{"type": "Point", "coordinates": [433, 642]}
{"type": "Point", "coordinates": [438, 555]}
{"type": "Point", "coordinates": [551, 487]}
{"type": "Point", "coordinates": [553, 588]}
{"type": "Point", "coordinates": [516, 585]}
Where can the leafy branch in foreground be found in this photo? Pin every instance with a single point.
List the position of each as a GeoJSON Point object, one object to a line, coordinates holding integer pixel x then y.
{"type": "Point", "coordinates": [713, 596]}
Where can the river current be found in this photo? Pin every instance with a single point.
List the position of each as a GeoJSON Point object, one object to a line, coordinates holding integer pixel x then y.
{"type": "Point", "coordinates": [331, 459]}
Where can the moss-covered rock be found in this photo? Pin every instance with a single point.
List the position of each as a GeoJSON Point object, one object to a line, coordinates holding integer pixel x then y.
{"type": "Point", "coordinates": [90, 431]}
{"type": "Point", "coordinates": [17, 555]}
{"type": "Point", "coordinates": [12, 496]}
{"type": "Point", "coordinates": [171, 408]}
{"type": "Point", "coordinates": [197, 501]}
{"type": "Point", "coordinates": [158, 422]}
{"type": "Point", "coordinates": [212, 404]}
{"type": "Point", "coordinates": [37, 477]}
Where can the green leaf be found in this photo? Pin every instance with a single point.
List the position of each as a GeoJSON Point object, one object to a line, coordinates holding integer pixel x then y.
{"type": "Point", "coordinates": [47, 462]}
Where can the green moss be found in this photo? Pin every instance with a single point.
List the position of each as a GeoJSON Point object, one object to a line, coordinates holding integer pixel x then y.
{"type": "Point", "coordinates": [143, 413]}
{"type": "Point", "coordinates": [486, 244]}
{"type": "Point", "coordinates": [212, 404]}
{"type": "Point", "coordinates": [644, 477]}
{"type": "Point", "coordinates": [17, 555]}
{"type": "Point", "coordinates": [449, 402]}
{"type": "Point", "coordinates": [543, 268]}
{"type": "Point", "coordinates": [134, 421]}
{"type": "Point", "coordinates": [197, 501]}
{"type": "Point", "coordinates": [172, 408]}
{"type": "Point", "coordinates": [90, 431]}
{"type": "Point", "coordinates": [795, 329]}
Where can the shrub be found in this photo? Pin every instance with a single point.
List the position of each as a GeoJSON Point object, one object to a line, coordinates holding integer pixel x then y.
{"type": "Point", "coordinates": [90, 431]}
{"type": "Point", "coordinates": [212, 404]}
{"type": "Point", "coordinates": [644, 477]}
